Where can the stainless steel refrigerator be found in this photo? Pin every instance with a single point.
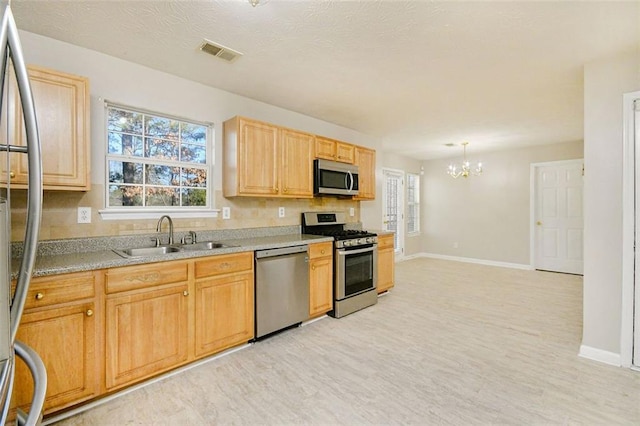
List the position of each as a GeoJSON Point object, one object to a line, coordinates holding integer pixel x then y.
{"type": "Point", "coordinates": [12, 304]}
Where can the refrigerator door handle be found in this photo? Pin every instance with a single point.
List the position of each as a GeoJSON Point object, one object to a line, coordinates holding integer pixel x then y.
{"type": "Point", "coordinates": [9, 38]}
{"type": "Point", "coordinates": [10, 47]}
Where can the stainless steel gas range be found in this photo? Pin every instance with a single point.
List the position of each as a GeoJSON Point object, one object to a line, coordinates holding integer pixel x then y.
{"type": "Point", "coordinates": [355, 276]}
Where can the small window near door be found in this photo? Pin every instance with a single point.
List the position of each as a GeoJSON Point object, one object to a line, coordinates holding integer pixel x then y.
{"type": "Point", "coordinates": [413, 203]}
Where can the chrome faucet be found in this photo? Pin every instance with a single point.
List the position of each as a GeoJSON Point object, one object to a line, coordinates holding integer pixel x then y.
{"type": "Point", "coordinates": [190, 239]}
{"type": "Point", "coordinates": [159, 229]}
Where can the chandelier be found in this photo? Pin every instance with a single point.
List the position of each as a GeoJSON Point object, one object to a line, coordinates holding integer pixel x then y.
{"type": "Point", "coordinates": [464, 169]}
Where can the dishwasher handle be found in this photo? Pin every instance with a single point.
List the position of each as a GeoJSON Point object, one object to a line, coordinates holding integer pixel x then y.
{"type": "Point", "coordinates": [261, 254]}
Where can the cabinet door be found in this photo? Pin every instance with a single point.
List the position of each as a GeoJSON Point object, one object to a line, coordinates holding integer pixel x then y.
{"type": "Point", "coordinates": [62, 110]}
{"type": "Point", "coordinates": [297, 164]}
{"type": "Point", "coordinates": [365, 159]}
{"type": "Point", "coordinates": [65, 339]}
{"type": "Point", "coordinates": [386, 263]}
{"type": "Point", "coordinates": [257, 158]}
{"type": "Point", "coordinates": [325, 148]}
{"type": "Point", "coordinates": [321, 286]}
{"type": "Point", "coordinates": [146, 333]}
{"type": "Point", "coordinates": [345, 152]}
{"type": "Point", "coordinates": [224, 312]}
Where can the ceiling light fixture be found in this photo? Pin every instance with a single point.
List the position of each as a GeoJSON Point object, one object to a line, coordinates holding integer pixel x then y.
{"type": "Point", "coordinates": [255, 3]}
{"type": "Point", "coordinates": [464, 170]}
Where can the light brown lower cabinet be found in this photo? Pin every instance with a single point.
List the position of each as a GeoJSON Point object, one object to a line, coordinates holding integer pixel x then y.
{"type": "Point", "coordinates": [320, 278]}
{"type": "Point", "coordinates": [386, 262]}
{"type": "Point", "coordinates": [224, 302]}
{"type": "Point", "coordinates": [146, 333]}
{"type": "Point", "coordinates": [104, 330]}
{"type": "Point", "coordinates": [60, 323]}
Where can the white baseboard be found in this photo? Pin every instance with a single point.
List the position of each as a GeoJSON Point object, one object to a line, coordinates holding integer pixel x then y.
{"type": "Point", "coordinates": [599, 355]}
{"type": "Point", "coordinates": [472, 260]}
{"type": "Point", "coordinates": [408, 257]}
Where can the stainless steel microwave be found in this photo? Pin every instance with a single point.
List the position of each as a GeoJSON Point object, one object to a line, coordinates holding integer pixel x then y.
{"type": "Point", "coordinates": [333, 178]}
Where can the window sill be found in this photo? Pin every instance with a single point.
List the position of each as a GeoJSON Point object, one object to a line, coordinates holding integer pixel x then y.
{"type": "Point", "coordinates": [115, 214]}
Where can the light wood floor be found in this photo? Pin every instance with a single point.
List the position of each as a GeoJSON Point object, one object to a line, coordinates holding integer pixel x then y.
{"type": "Point", "coordinates": [453, 343]}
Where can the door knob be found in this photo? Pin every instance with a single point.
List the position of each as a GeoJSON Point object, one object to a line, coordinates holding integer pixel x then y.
{"type": "Point", "coordinates": [538, 223]}
{"type": "Point", "coordinates": [39, 296]}
{"type": "Point", "coordinates": [89, 313]}
{"type": "Point", "coordinates": [12, 174]}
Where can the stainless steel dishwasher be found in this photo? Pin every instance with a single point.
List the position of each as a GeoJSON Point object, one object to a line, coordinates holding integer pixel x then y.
{"type": "Point", "coordinates": [282, 288]}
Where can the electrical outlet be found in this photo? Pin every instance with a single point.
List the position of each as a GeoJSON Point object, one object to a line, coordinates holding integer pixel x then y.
{"type": "Point", "coordinates": [84, 214]}
{"type": "Point", "coordinates": [226, 212]}
{"type": "Point", "coordinates": [280, 211]}
{"type": "Point", "coordinates": [352, 211]}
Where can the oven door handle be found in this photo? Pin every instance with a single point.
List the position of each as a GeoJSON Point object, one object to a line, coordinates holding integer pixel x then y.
{"type": "Point", "coordinates": [364, 250]}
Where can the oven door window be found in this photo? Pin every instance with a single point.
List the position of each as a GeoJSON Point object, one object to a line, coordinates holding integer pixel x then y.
{"type": "Point", "coordinates": [358, 273]}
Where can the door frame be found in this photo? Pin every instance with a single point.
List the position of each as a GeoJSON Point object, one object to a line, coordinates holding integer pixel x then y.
{"type": "Point", "coordinates": [629, 166]}
{"type": "Point", "coordinates": [399, 251]}
{"type": "Point", "coordinates": [532, 203]}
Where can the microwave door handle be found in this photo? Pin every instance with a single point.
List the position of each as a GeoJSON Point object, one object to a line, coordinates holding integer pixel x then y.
{"type": "Point", "coordinates": [364, 250]}
{"type": "Point", "coordinates": [351, 180]}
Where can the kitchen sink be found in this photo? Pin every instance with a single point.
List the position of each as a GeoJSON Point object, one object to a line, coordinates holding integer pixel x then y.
{"type": "Point", "coordinates": [147, 251]}
{"type": "Point", "coordinates": [158, 251]}
{"type": "Point", "coordinates": [205, 245]}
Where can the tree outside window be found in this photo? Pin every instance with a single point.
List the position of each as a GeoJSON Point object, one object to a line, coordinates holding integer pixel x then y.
{"type": "Point", "coordinates": [155, 161]}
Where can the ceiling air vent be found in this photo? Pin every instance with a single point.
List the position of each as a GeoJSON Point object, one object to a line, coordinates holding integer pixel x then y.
{"type": "Point", "coordinates": [219, 51]}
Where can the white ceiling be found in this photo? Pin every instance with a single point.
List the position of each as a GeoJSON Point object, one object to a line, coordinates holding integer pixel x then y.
{"type": "Point", "coordinates": [415, 75]}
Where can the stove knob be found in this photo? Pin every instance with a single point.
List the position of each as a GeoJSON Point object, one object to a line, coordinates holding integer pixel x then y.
{"type": "Point", "coordinates": [371, 240]}
{"type": "Point", "coordinates": [362, 241]}
{"type": "Point", "coordinates": [346, 243]}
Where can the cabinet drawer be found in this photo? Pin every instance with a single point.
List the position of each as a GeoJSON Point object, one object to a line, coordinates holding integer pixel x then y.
{"type": "Point", "coordinates": [320, 250]}
{"type": "Point", "coordinates": [224, 264]}
{"type": "Point", "coordinates": [385, 241]}
{"type": "Point", "coordinates": [46, 291]}
{"type": "Point", "coordinates": [141, 276]}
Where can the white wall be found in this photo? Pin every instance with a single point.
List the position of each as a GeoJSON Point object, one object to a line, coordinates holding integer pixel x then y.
{"type": "Point", "coordinates": [605, 82]}
{"type": "Point", "coordinates": [486, 216]}
{"type": "Point", "coordinates": [371, 211]}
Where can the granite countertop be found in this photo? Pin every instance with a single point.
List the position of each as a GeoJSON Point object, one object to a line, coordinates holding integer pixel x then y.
{"type": "Point", "coordinates": [381, 232]}
{"type": "Point", "coordinates": [87, 255]}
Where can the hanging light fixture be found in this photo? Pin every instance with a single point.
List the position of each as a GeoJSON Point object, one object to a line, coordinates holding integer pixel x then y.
{"type": "Point", "coordinates": [464, 169]}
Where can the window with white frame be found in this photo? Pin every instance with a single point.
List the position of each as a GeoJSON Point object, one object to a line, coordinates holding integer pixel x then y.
{"type": "Point", "coordinates": [156, 161]}
{"type": "Point", "coordinates": [413, 203]}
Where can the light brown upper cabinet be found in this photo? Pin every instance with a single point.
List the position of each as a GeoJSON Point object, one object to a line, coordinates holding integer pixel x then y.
{"type": "Point", "coordinates": [365, 159]}
{"type": "Point", "coordinates": [330, 149]}
{"type": "Point", "coordinates": [62, 111]}
{"type": "Point", "coordinates": [263, 160]}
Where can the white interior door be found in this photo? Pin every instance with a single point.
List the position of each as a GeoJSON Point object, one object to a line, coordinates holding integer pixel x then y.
{"type": "Point", "coordinates": [558, 217]}
{"type": "Point", "coordinates": [392, 203]}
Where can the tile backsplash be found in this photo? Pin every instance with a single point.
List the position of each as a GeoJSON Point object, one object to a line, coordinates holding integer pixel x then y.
{"type": "Point", "coordinates": [59, 214]}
